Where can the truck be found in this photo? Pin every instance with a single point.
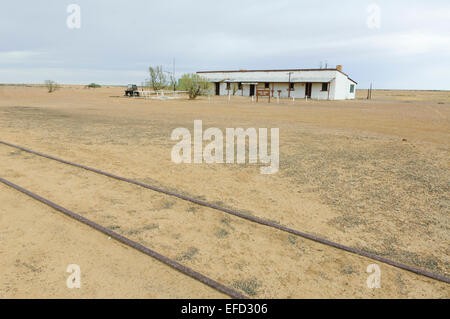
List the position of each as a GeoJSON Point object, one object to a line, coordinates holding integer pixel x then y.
{"type": "Point", "coordinates": [132, 90]}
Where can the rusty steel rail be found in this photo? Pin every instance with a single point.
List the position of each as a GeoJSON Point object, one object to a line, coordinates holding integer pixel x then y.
{"type": "Point", "coordinates": [170, 262]}
{"type": "Point", "coordinates": [254, 219]}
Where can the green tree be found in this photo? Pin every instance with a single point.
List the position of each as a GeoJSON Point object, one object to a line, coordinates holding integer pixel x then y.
{"type": "Point", "coordinates": [195, 85]}
{"type": "Point", "coordinates": [158, 79]}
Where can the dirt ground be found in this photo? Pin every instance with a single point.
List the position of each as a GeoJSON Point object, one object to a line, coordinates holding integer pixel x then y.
{"type": "Point", "coordinates": [368, 174]}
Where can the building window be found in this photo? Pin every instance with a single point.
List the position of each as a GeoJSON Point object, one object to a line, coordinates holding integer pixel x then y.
{"type": "Point", "coordinates": [352, 88]}
{"type": "Point", "coordinates": [291, 86]}
{"type": "Point", "coordinates": [239, 86]}
{"type": "Point", "coordinates": [267, 85]}
{"type": "Point", "coordinates": [324, 86]}
{"type": "Point", "coordinates": [228, 86]}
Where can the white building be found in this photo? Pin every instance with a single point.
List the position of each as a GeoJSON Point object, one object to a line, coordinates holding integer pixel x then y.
{"type": "Point", "coordinates": [321, 84]}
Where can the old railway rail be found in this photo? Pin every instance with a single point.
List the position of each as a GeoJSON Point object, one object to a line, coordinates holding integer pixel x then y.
{"type": "Point", "coordinates": [229, 291]}
{"type": "Point", "coordinates": [170, 262]}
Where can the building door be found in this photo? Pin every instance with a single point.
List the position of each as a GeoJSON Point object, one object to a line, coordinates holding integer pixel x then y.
{"type": "Point", "coordinates": [217, 88]}
{"type": "Point", "coordinates": [252, 89]}
{"type": "Point", "coordinates": [308, 88]}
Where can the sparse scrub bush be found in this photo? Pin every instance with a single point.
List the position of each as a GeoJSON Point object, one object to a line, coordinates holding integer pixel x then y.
{"type": "Point", "coordinates": [51, 86]}
{"type": "Point", "coordinates": [94, 85]}
{"type": "Point", "coordinates": [250, 286]}
{"type": "Point", "coordinates": [195, 85]}
{"type": "Point", "coordinates": [188, 255]}
{"type": "Point", "coordinates": [222, 233]}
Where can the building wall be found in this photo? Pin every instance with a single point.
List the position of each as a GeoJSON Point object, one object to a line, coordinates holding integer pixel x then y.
{"type": "Point", "coordinates": [317, 92]}
{"type": "Point", "coordinates": [342, 90]}
{"type": "Point", "coordinates": [339, 86]}
{"type": "Point", "coordinates": [352, 96]}
{"type": "Point", "coordinates": [298, 92]}
{"type": "Point", "coordinates": [332, 89]}
{"type": "Point", "coordinates": [278, 86]}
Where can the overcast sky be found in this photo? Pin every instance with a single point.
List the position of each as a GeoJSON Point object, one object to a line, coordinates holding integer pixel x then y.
{"type": "Point", "coordinates": [407, 48]}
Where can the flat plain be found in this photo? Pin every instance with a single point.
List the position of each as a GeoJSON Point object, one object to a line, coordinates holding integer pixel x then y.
{"type": "Point", "coordinates": [372, 174]}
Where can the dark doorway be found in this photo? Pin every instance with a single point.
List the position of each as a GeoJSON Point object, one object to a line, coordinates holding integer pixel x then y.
{"type": "Point", "coordinates": [252, 89]}
{"type": "Point", "coordinates": [308, 88]}
{"type": "Point", "coordinates": [217, 88]}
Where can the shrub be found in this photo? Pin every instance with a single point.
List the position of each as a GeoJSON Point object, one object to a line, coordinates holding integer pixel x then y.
{"type": "Point", "coordinates": [195, 85]}
{"type": "Point", "coordinates": [51, 86]}
{"type": "Point", "coordinates": [94, 85]}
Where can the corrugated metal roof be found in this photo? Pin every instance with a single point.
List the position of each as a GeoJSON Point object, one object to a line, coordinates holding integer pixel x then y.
{"type": "Point", "coordinates": [278, 70]}
{"type": "Point", "coordinates": [275, 71]}
{"type": "Point", "coordinates": [272, 80]}
{"type": "Point", "coordinates": [313, 80]}
{"type": "Point", "coordinates": [215, 80]}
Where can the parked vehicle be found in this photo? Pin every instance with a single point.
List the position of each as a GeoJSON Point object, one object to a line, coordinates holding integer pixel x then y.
{"type": "Point", "coordinates": [132, 90]}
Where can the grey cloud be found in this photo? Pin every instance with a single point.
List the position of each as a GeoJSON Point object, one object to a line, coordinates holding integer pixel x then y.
{"type": "Point", "coordinates": [118, 40]}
